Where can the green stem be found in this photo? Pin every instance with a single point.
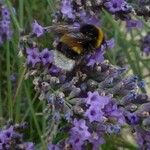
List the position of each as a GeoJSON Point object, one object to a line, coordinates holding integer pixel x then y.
{"type": "Point", "coordinates": [51, 5]}
{"type": "Point", "coordinates": [9, 90]}
{"type": "Point", "coordinates": [19, 85]}
{"type": "Point", "coordinates": [1, 107]}
{"type": "Point", "coordinates": [21, 12]}
{"type": "Point", "coordinates": [28, 110]}
{"type": "Point", "coordinates": [27, 91]}
{"type": "Point", "coordinates": [44, 120]}
{"type": "Point", "coordinates": [137, 57]}
{"type": "Point", "coordinates": [13, 15]}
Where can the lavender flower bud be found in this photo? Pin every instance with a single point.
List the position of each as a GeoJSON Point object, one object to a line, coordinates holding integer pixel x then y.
{"type": "Point", "coordinates": [5, 25]}
{"type": "Point", "coordinates": [37, 29]}
{"type": "Point", "coordinates": [145, 44]}
{"type": "Point", "coordinates": [146, 124]}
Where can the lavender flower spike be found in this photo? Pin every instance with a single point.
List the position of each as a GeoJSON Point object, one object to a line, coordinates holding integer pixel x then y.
{"type": "Point", "coordinates": [37, 29]}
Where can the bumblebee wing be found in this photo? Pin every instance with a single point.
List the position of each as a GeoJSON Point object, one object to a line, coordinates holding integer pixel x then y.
{"type": "Point", "coordinates": [62, 29]}
{"type": "Point", "coordinates": [74, 42]}
{"type": "Point", "coordinates": [78, 36]}
{"type": "Point", "coordinates": [80, 39]}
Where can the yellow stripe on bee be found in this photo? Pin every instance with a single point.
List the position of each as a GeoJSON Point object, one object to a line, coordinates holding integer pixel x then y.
{"type": "Point", "coordinates": [77, 49]}
{"type": "Point", "coordinates": [73, 43]}
{"type": "Point", "coordinates": [100, 37]}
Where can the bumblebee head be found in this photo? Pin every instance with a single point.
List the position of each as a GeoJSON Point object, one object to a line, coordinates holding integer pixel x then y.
{"type": "Point", "coordinates": [89, 30]}
{"type": "Point", "coordinates": [94, 34]}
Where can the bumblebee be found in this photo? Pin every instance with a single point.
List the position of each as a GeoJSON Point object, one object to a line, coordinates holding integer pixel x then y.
{"type": "Point", "coordinates": [75, 42]}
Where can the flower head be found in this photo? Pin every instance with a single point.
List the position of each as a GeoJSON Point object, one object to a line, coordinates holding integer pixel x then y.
{"type": "Point", "coordinates": [79, 133]}
{"type": "Point", "coordinates": [96, 140]}
{"type": "Point", "coordinates": [94, 113]}
{"type": "Point", "coordinates": [96, 58]}
{"type": "Point", "coordinates": [37, 29]}
{"type": "Point", "coordinates": [53, 147]}
{"type": "Point", "coordinates": [5, 13]}
{"type": "Point", "coordinates": [66, 9]}
{"type": "Point", "coordinates": [114, 5]}
{"type": "Point", "coordinates": [95, 99]}
{"type": "Point", "coordinates": [145, 44]}
{"type": "Point", "coordinates": [134, 24]}
{"type": "Point", "coordinates": [46, 56]}
{"type": "Point", "coordinates": [11, 139]}
{"type": "Point", "coordinates": [5, 25]}
{"type": "Point", "coordinates": [32, 56]}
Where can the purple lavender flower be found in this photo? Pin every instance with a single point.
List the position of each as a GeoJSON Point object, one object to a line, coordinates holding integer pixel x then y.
{"type": "Point", "coordinates": [132, 118]}
{"type": "Point", "coordinates": [143, 138]}
{"type": "Point", "coordinates": [13, 77]}
{"type": "Point", "coordinates": [37, 29]}
{"type": "Point", "coordinates": [96, 140]}
{"type": "Point", "coordinates": [110, 43]}
{"type": "Point", "coordinates": [114, 5]}
{"type": "Point", "coordinates": [11, 139]}
{"type": "Point", "coordinates": [145, 44]}
{"type": "Point", "coordinates": [89, 11]}
{"type": "Point", "coordinates": [32, 56]}
{"type": "Point", "coordinates": [112, 112]}
{"type": "Point", "coordinates": [113, 129]}
{"type": "Point", "coordinates": [85, 17]}
{"type": "Point", "coordinates": [5, 23]}
{"type": "Point", "coordinates": [5, 13]}
{"type": "Point", "coordinates": [95, 99]}
{"type": "Point", "coordinates": [102, 107]}
{"type": "Point", "coordinates": [79, 133]}
{"type": "Point", "coordinates": [46, 56]}
{"type": "Point", "coordinates": [53, 147]}
{"type": "Point", "coordinates": [96, 58]}
{"type": "Point", "coordinates": [76, 141]}
{"type": "Point", "coordinates": [66, 9]}
{"type": "Point", "coordinates": [29, 146]}
{"type": "Point", "coordinates": [80, 127]}
{"type": "Point", "coordinates": [130, 24]}
{"type": "Point", "coordinates": [141, 84]}
{"type": "Point", "coordinates": [54, 70]}
{"type": "Point", "coordinates": [120, 8]}
{"type": "Point", "coordinates": [94, 113]}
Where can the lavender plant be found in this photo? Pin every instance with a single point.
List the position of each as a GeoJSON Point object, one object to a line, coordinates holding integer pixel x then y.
{"type": "Point", "coordinates": [12, 138]}
{"type": "Point", "coordinates": [91, 105]}
{"type": "Point", "coordinates": [141, 8]}
{"type": "Point", "coordinates": [90, 11]}
{"type": "Point", "coordinates": [5, 24]}
{"type": "Point", "coordinates": [88, 104]}
{"type": "Point", "coordinates": [82, 10]}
